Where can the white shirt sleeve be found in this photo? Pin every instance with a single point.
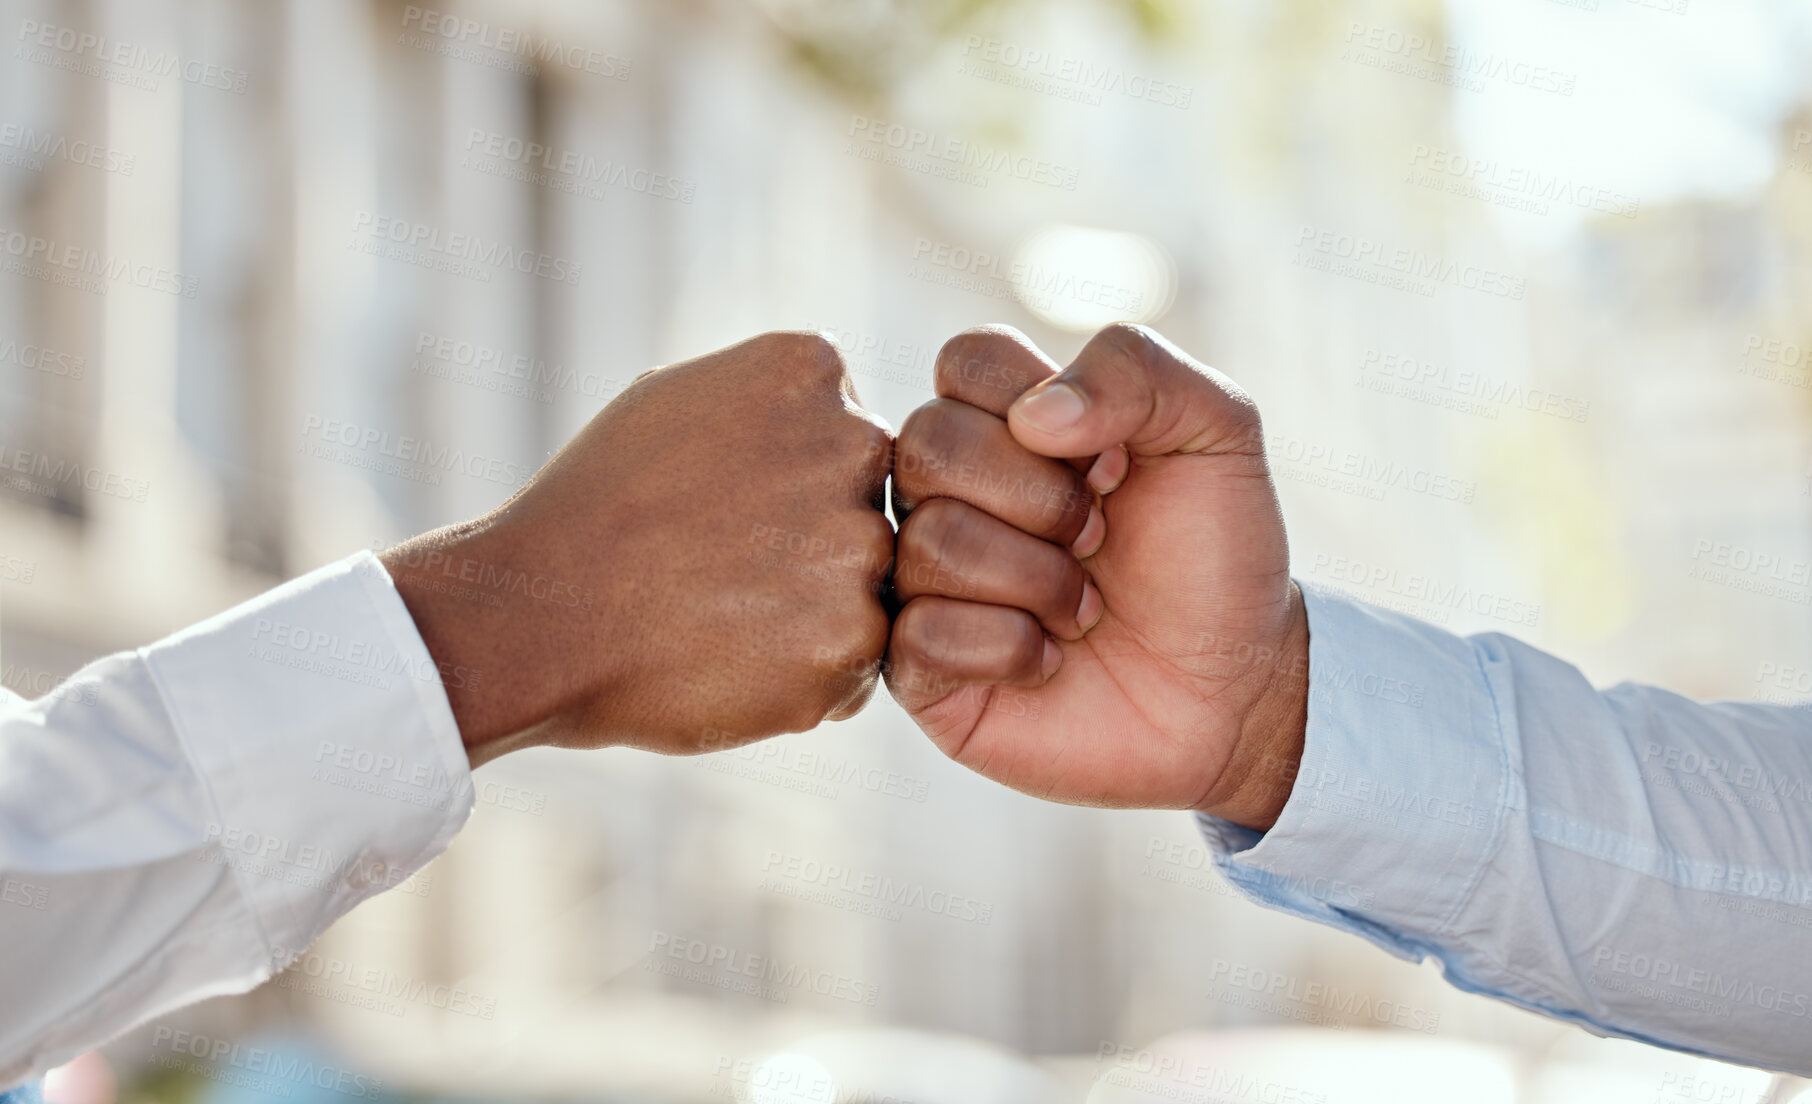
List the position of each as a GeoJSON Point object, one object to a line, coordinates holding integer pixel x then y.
{"type": "Point", "coordinates": [180, 822]}
{"type": "Point", "coordinates": [1627, 859]}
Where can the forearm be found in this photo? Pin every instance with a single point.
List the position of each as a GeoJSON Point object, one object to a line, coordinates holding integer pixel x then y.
{"type": "Point", "coordinates": [465, 589]}
{"type": "Point", "coordinates": [1479, 801]}
{"type": "Point", "coordinates": [177, 823]}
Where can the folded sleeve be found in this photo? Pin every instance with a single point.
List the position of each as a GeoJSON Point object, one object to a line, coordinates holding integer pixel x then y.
{"type": "Point", "coordinates": [179, 822]}
{"type": "Point", "coordinates": [1627, 859]}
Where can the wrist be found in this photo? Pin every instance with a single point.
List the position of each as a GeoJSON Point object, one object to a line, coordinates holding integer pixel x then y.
{"type": "Point", "coordinates": [482, 651]}
{"type": "Point", "coordinates": [1267, 752]}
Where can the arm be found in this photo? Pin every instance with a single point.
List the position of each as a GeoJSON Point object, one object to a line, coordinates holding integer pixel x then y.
{"type": "Point", "coordinates": [1626, 859]}
{"type": "Point", "coordinates": [1475, 800]}
{"type": "Point", "coordinates": [697, 569]}
{"type": "Point", "coordinates": [176, 822]}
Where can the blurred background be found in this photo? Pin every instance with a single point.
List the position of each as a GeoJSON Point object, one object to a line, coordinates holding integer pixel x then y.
{"type": "Point", "coordinates": [1523, 288]}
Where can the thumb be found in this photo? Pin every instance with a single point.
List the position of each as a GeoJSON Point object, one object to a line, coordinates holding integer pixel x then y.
{"type": "Point", "coordinates": [1130, 386]}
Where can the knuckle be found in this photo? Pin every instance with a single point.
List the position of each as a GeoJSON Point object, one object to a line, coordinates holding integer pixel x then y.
{"type": "Point", "coordinates": [808, 710]}
{"type": "Point", "coordinates": [921, 426]}
{"type": "Point", "coordinates": [817, 351]}
{"type": "Point", "coordinates": [810, 357]}
{"type": "Point", "coordinates": [1027, 654]}
{"type": "Point", "coordinates": [865, 640]}
{"type": "Point", "coordinates": [1244, 429]}
{"type": "Point", "coordinates": [940, 433]}
{"type": "Point", "coordinates": [928, 533]}
{"type": "Point", "coordinates": [875, 537]}
{"type": "Point", "coordinates": [872, 448]}
{"type": "Point", "coordinates": [927, 439]}
{"type": "Point", "coordinates": [1130, 337]}
{"type": "Point", "coordinates": [914, 637]}
{"type": "Point", "coordinates": [979, 345]}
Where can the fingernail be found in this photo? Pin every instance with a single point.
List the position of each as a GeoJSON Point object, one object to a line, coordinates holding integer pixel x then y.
{"type": "Point", "coordinates": [1054, 409]}
{"type": "Point", "coordinates": [1091, 608]}
{"type": "Point", "coordinates": [1093, 535]}
{"type": "Point", "coordinates": [1053, 657]}
{"type": "Point", "coordinates": [1101, 474]}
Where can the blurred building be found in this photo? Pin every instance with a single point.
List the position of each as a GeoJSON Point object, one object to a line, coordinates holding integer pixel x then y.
{"type": "Point", "coordinates": [286, 293]}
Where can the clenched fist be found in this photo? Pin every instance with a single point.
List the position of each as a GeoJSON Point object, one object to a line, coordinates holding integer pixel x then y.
{"type": "Point", "coordinates": [1097, 601]}
{"type": "Point", "coordinates": [698, 568]}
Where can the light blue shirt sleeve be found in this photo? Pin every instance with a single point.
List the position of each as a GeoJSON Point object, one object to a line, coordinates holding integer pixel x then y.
{"type": "Point", "coordinates": [1627, 859]}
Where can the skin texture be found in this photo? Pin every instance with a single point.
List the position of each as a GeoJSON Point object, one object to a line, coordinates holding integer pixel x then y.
{"type": "Point", "coordinates": [1189, 688]}
{"type": "Point", "coordinates": [697, 569]}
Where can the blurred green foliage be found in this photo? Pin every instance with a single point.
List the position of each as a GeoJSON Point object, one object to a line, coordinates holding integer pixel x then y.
{"type": "Point", "coordinates": [862, 48]}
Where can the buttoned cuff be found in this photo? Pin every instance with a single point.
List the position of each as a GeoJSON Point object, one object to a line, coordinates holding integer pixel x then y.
{"type": "Point", "coordinates": [319, 726]}
{"type": "Point", "coordinates": [1402, 789]}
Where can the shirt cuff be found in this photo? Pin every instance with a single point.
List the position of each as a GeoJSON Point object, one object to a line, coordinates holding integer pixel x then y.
{"type": "Point", "coordinates": [1402, 790]}
{"type": "Point", "coordinates": [317, 722]}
